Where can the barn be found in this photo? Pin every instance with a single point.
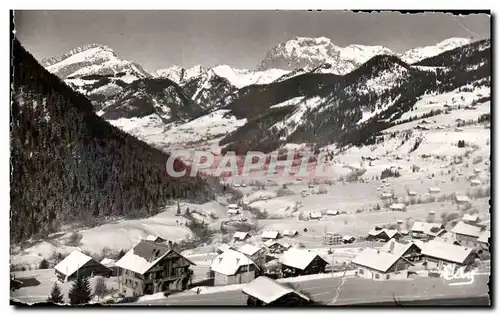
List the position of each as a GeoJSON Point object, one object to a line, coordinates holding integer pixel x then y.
{"type": "Point", "coordinates": [77, 264]}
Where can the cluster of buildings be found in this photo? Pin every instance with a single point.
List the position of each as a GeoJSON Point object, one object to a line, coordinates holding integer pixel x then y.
{"type": "Point", "coordinates": [428, 245]}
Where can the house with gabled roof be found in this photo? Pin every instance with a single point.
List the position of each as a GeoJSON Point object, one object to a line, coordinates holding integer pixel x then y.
{"type": "Point", "coordinates": [298, 262]}
{"type": "Point", "coordinates": [471, 218]}
{"type": "Point", "coordinates": [233, 267]}
{"type": "Point", "coordinates": [377, 264]}
{"type": "Point", "coordinates": [467, 234]}
{"type": "Point", "coordinates": [255, 253]}
{"type": "Point", "coordinates": [408, 250]}
{"type": "Point", "coordinates": [290, 233]}
{"type": "Point", "coordinates": [382, 234]}
{"type": "Point", "coordinates": [426, 230]}
{"type": "Point", "coordinates": [270, 235]}
{"type": "Point", "coordinates": [77, 264]}
{"type": "Point", "coordinates": [155, 238]}
{"type": "Point", "coordinates": [266, 291]}
{"type": "Point", "coordinates": [439, 255]}
{"type": "Point", "coordinates": [275, 247]}
{"type": "Point", "coordinates": [483, 241]}
{"type": "Point", "coordinates": [240, 236]}
{"type": "Point", "coordinates": [111, 265]}
{"type": "Point", "coordinates": [151, 267]}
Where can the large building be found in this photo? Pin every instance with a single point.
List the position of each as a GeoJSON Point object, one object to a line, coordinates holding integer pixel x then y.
{"type": "Point", "coordinates": [299, 262]}
{"type": "Point", "coordinates": [151, 267]}
{"type": "Point", "coordinates": [426, 230]}
{"type": "Point", "coordinates": [467, 234]}
{"type": "Point", "coordinates": [77, 264]}
{"type": "Point", "coordinates": [233, 267]}
{"type": "Point", "coordinates": [381, 265]}
{"type": "Point", "coordinates": [440, 255]}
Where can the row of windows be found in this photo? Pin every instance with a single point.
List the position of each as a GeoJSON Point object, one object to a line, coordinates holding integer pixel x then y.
{"type": "Point", "coordinates": [377, 276]}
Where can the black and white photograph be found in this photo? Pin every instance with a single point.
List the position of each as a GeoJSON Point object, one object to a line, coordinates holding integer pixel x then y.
{"type": "Point", "coordinates": [250, 158]}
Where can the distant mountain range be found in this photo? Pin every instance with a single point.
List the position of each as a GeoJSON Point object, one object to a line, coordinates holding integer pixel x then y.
{"type": "Point", "coordinates": [306, 89]}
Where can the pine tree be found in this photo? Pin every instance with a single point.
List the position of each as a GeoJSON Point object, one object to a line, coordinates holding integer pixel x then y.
{"type": "Point", "coordinates": [55, 295]}
{"type": "Point", "coordinates": [80, 292]}
{"type": "Point", "coordinates": [44, 264]}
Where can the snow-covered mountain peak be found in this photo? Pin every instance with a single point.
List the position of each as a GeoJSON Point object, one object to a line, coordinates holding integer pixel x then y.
{"type": "Point", "coordinates": [420, 53]}
{"type": "Point", "coordinates": [94, 47]}
{"type": "Point", "coordinates": [179, 74]}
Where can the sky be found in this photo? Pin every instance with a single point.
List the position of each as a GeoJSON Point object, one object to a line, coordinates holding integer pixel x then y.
{"type": "Point", "coordinates": [241, 39]}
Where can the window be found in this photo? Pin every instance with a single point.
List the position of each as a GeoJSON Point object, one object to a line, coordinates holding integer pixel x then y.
{"type": "Point", "coordinates": [361, 271]}
{"type": "Point", "coordinates": [387, 277]}
{"type": "Point", "coordinates": [377, 276]}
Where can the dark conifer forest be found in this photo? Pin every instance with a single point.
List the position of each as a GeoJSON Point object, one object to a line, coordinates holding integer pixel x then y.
{"type": "Point", "coordinates": [69, 165]}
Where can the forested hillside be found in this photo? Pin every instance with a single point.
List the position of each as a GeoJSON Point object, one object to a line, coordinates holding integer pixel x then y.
{"type": "Point", "coordinates": [68, 164]}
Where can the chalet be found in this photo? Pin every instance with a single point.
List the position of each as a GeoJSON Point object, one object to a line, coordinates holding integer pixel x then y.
{"type": "Point", "coordinates": [347, 239]}
{"type": "Point", "coordinates": [315, 215]}
{"type": "Point", "coordinates": [398, 207]}
{"type": "Point", "coordinates": [222, 248]}
{"type": "Point", "coordinates": [459, 199]}
{"type": "Point", "coordinates": [434, 190]}
{"type": "Point", "coordinates": [265, 291]}
{"type": "Point", "coordinates": [155, 238]}
{"type": "Point", "coordinates": [290, 233]}
{"type": "Point", "coordinates": [467, 234]}
{"type": "Point", "coordinates": [111, 265]}
{"type": "Point", "coordinates": [298, 262]}
{"type": "Point", "coordinates": [411, 193]}
{"type": "Point", "coordinates": [483, 242]}
{"type": "Point", "coordinates": [240, 236]}
{"type": "Point", "coordinates": [471, 218]}
{"type": "Point", "coordinates": [448, 237]}
{"type": "Point", "coordinates": [151, 267]}
{"type": "Point", "coordinates": [426, 230]}
{"type": "Point", "coordinates": [409, 250]}
{"type": "Point", "coordinates": [382, 234]}
{"type": "Point", "coordinates": [274, 247]}
{"type": "Point", "coordinates": [270, 235]}
{"type": "Point", "coordinates": [439, 255]}
{"type": "Point", "coordinates": [233, 267]}
{"type": "Point", "coordinates": [256, 254]}
{"type": "Point", "coordinates": [380, 265]}
{"type": "Point", "coordinates": [475, 182]}
{"type": "Point", "coordinates": [332, 238]}
{"type": "Point", "coordinates": [77, 264]}
{"type": "Point", "coordinates": [332, 212]}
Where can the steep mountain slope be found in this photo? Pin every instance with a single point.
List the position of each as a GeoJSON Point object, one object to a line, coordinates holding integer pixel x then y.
{"type": "Point", "coordinates": [420, 53]}
{"type": "Point", "coordinates": [68, 164]}
{"type": "Point", "coordinates": [209, 90]}
{"type": "Point", "coordinates": [353, 108]}
{"type": "Point", "coordinates": [152, 96]}
{"type": "Point", "coordinates": [178, 74]}
{"type": "Point", "coordinates": [301, 52]}
{"type": "Point", "coordinates": [92, 59]}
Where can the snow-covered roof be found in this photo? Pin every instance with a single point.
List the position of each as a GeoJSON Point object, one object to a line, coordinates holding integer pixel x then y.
{"type": "Point", "coordinates": [298, 258]}
{"type": "Point", "coordinates": [389, 232]}
{"type": "Point", "coordinates": [387, 195]}
{"type": "Point", "coordinates": [397, 248]}
{"type": "Point", "coordinates": [249, 249]}
{"type": "Point", "coordinates": [268, 290]}
{"type": "Point", "coordinates": [155, 238]}
{"type": "Point", "coordinates": [108, 262]}
{"type": "Point", "coordinates": [398, 206]}
{"type": "Point", "coordinates": [475, 181]}
{"type": "Point", "coordinates": [270, 234]}
{"type": "Point", "coordinates": [471, 217]}
{"type": "Point", "coordinates": [426, 228]}
{"type": "Point", "coordinates": [223, 247]}
{"type": "Point", "coordinates": [484, 237]}
{"type": "Point", "coordinates": [347, 237]}
{"type": "Point", "coordinates": [461, 198]}
{"type": "Point", "coordinates": [434, 189]}
{"type": "Point", "coordinates": [467, 229]}
{"type": "Point", "coordinates": [229, 261]}
{"type": "Point", "coordinates": [332, 212]}
{"type": "Point", "coordinates": [290, 232]}
{"type": "Point", "coordinates": [144, 256]}
{"type": "Point", "coordinates": [240, 235]}
{"type": "Point", "coordinates": [315, 215]}
{"type": "Point", "coordinates": [376, 259]}
{"type": "Point", "coordinates": [72, 263]}
{"type": "Point", "coordinates": [446, 251]}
